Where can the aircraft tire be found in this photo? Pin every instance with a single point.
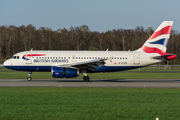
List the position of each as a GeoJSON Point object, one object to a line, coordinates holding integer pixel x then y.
{"type": "Point", "coordinates": [29, 79]}
{"type": "Point", "coordinates": [86, 78]}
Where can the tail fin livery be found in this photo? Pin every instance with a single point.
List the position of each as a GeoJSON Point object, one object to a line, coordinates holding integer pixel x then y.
{"type": "Point", "coordinates": [157, 42]}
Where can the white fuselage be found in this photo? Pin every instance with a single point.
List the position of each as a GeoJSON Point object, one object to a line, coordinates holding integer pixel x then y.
{"type": "Point", "coordinates": [44, 60]}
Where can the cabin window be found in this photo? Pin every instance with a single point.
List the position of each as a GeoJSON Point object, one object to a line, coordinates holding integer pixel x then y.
{"type": "Point", "coordinates": [68, 57]}
{"type": "Point", "coordinates": [117, 57]}
{"type": "Point", "coordinates": [87, 57]}
{"type": "Point", "coordinates": [17, 57]}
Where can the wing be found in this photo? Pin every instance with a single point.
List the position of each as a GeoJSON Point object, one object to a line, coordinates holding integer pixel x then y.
{"type": "Point", "coordinates": [91, 65]}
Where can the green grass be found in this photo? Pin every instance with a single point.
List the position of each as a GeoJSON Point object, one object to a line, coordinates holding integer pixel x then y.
{"type": "Point", "coordinates": [111, 75]}
{"type": "Point", "coordinates": [89, 104]}
{"type": "Point", "coordinates": [133, 74]}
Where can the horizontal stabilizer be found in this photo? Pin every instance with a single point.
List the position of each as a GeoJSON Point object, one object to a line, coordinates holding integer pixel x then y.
{"type": "Point", "coordinates": [166, 56]}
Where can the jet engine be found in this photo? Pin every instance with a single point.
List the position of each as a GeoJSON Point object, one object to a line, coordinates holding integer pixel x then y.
{"type": "Point", "coordinates": [61, 72]}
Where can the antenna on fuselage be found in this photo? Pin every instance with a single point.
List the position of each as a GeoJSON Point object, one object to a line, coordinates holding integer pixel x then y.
{"type": "Point", "coordinates": [107, 50]}
{"type": "Point", "coordinates": [31, 49]}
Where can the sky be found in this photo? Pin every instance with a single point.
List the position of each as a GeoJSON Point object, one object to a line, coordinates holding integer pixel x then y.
{"type": "Point", "coordinates": [98, 15]}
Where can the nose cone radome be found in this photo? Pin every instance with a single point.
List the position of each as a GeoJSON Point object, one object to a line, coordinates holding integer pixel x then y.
{"type": "Point", "coordinates": [5, 63]}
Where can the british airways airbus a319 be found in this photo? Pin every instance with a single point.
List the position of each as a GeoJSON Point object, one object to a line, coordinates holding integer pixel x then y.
{"type": "Point", "coordinates": [70, 63]}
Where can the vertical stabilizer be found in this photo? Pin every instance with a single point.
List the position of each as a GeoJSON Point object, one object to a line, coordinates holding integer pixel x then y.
{"type": "Point", "coordinates": [158, 41]}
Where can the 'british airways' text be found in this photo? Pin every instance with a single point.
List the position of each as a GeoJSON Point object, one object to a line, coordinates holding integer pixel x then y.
{"type": "Point", "coordinates": [53, 60]}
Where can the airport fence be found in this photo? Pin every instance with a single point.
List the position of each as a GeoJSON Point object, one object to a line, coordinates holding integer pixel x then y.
{"type": "Point", "coordinates": [161, 67]}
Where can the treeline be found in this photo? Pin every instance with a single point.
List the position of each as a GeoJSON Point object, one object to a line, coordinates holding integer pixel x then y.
{"type": "Point", "coordinates": [16, 39]}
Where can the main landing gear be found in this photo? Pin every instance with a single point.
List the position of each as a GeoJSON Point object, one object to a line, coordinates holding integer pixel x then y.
{"type": "Point", "coordinates": [86, 78]}
{"type": "Point", "coordinates": [29, 76]}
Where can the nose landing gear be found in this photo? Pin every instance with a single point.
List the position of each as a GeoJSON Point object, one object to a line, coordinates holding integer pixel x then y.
{"type": "Point", "coordinates": [29, 76]}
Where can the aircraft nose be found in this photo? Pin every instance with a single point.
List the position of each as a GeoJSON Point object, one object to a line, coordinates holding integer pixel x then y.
{"type": "Point", "coordinates": [5, 63]}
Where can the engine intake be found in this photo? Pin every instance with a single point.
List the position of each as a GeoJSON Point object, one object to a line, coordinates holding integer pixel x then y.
{"type": "Point", "coordinates": [61, 72]}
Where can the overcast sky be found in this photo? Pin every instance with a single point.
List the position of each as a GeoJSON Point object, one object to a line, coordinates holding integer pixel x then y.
{"type": "Point", "coordinates": [98, 15]}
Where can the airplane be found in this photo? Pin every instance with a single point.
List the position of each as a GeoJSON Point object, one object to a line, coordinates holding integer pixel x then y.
{"type": "Point", "coordinates": [68, 64]}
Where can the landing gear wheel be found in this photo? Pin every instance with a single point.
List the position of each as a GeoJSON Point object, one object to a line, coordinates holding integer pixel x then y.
{"type": "Point", "coordinates": [29, 79]}
{"type": "Point", "coordinates": [86, 78]}
{"type": "Point", "coordinates": [29, 76]}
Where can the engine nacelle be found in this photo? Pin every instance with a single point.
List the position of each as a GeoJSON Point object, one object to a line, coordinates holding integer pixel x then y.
{"type": "Point", "coordinates": [61, 72]}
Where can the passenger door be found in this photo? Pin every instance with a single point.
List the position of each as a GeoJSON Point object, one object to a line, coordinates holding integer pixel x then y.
{"type": "Point", "coordinates": [136, 58]}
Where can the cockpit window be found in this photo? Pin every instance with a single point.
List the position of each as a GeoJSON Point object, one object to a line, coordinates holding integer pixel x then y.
{"type": "Point", "coordinates": [15, 57]}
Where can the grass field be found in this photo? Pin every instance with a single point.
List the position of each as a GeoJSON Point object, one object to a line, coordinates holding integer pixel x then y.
{"type": "Point", "coordinates": [89, 104]}
{"type": "Point", "coordinates": [134, 74]}
{"type": "Point", "coordinates": [113, 75]}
